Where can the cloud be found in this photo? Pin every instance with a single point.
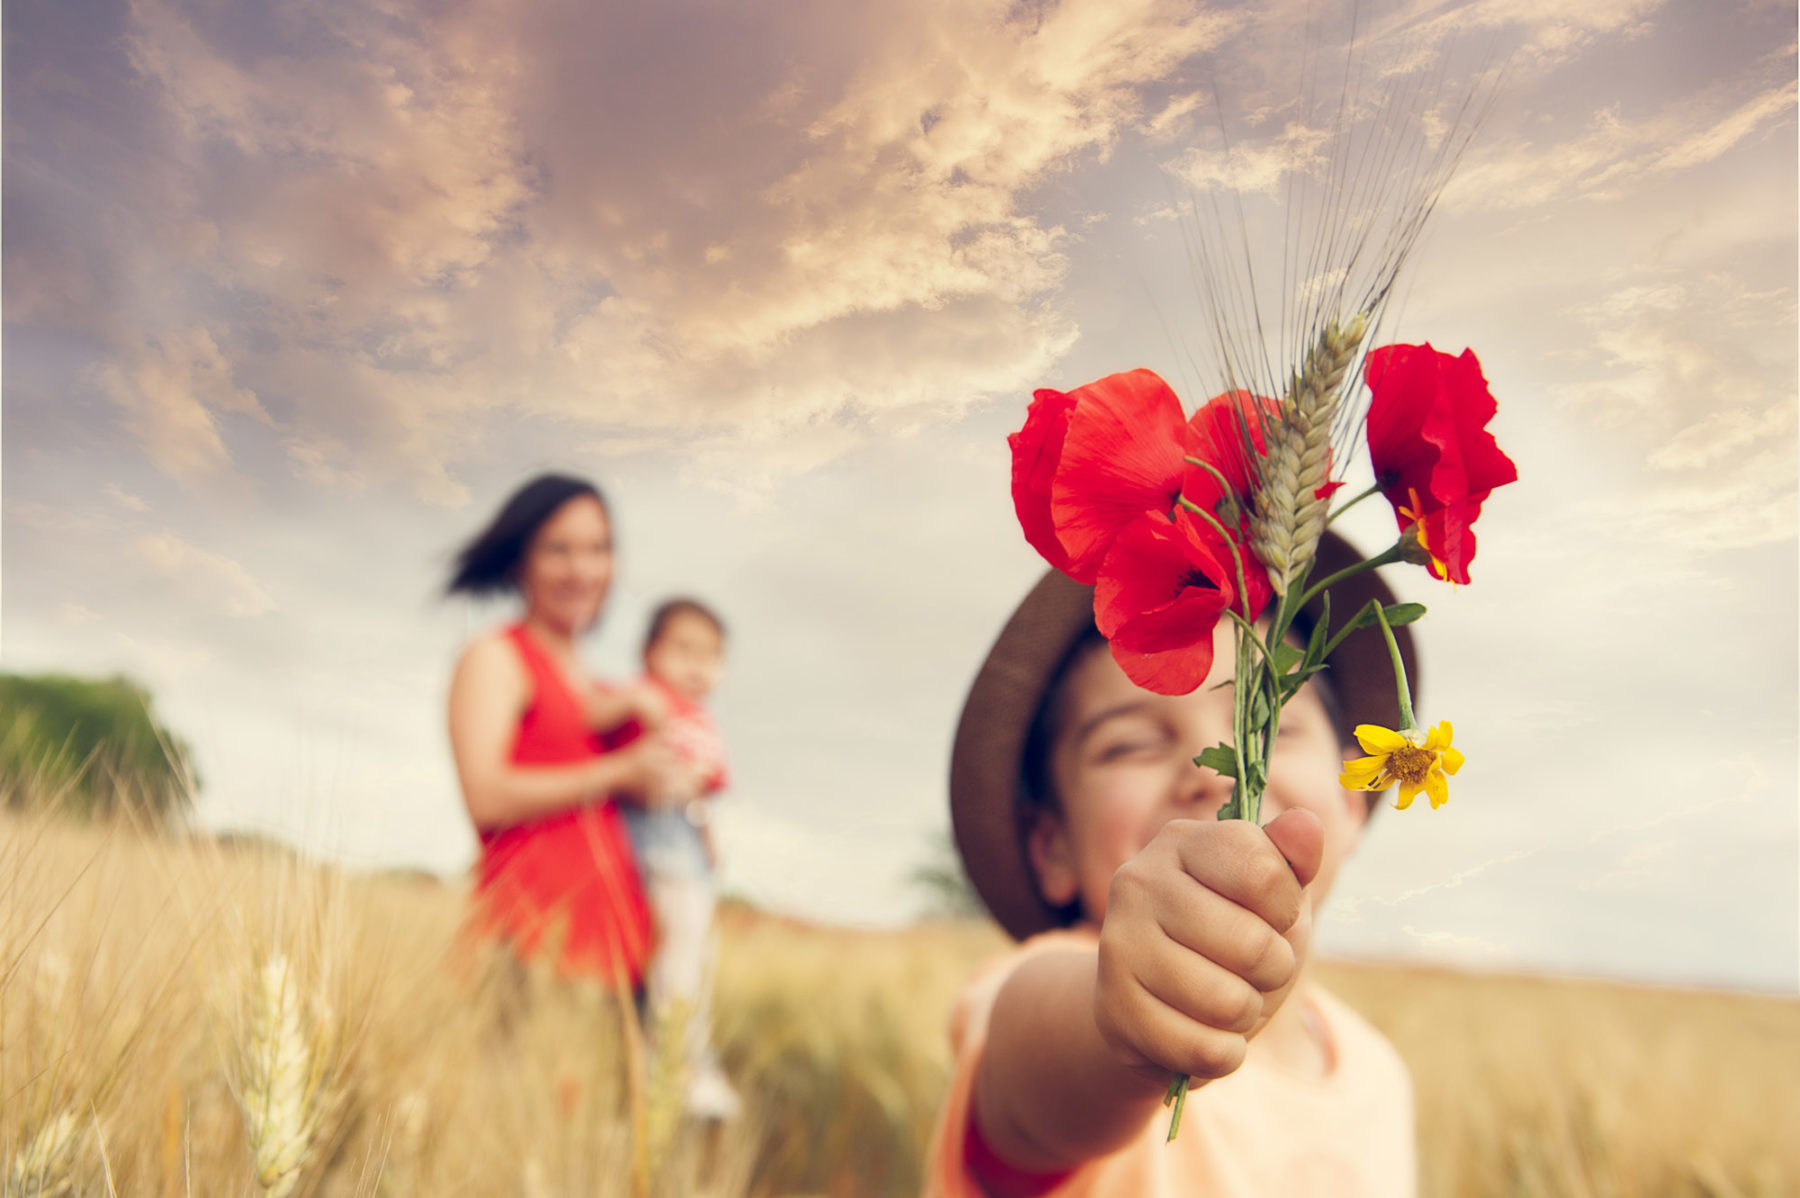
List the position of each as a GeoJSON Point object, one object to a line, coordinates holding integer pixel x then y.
{"type": "Point", "coordinates": [1551, 32]}
{"type": "Point", "coordinates": [74, 615]}
{"type": "Point", "coordinates": [171, 392]}
{"type": "Point", "coordinates": [1698, 370]}
{"type": "Point", "coordinates": [1615, 156]}
{"type": "Point", "coordinates": [1720, 438]}
{"type": "Point", "coordinates": [124, 498]}
{"type": "Point", "coordinates": [1255, 167]}
{"type": "Point", "coordinates": [205, 579]}
{"type": "Point", "coordinates": [1454, 949]}
{"type": "Point", "coordinates": [383, 232]}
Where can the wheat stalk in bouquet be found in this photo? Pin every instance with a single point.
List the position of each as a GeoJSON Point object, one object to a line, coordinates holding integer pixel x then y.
{"type": "Point", "coordinates": [1179, 522]}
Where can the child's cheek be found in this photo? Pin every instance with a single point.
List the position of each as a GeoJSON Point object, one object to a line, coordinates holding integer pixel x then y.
{"type": "Point", "coordinates": [1124, 823]}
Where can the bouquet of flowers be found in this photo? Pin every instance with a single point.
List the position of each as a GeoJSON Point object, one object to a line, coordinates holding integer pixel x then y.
{"type": "Point", "coordinates": [1179, 522]}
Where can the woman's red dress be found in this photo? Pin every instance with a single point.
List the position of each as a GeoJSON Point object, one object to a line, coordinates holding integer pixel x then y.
{"type": "Point", "coordinates": [566, 881]}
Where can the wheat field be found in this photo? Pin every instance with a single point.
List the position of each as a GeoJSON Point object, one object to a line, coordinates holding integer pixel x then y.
{"type": "Point", "coordinates": [180, 1017]}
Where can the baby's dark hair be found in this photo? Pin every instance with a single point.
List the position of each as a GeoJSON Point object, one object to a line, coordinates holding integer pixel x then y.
{"type": "Point", "coordinates": [489, 564]}
{"type": "Point", "coordinates": [670, 608]}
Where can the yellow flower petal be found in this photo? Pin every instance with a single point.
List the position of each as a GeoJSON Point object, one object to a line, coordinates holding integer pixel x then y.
{"type": "Point", "coordinates": [1376, 739]}
{"type": "Point", "coordinates": [1413, 760]}
{"type": "Point", "coordinates": [1362, 773]}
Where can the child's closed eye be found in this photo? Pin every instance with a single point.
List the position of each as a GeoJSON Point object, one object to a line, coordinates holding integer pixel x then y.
{"type": "Point", "coordinates": [1128, 743]}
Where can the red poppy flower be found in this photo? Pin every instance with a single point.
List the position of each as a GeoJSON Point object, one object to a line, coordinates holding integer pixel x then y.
{"type": "Point", "coordinates": [1227, 432]}
{"type": "Point", "coordinates": [1088, 463]}
{"type": "Point", "coordinates": [1434, 459]}
{"type": "Point", "coordinates": [1036, 451]}
{"type": "Point", "coordinates": [1160, 591]}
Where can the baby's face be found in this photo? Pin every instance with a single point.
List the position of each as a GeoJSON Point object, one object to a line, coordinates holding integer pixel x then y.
{"type": "Point", "coordinates": [1122, 767]}
{"type": "Point", "coordinates": [689, 655]}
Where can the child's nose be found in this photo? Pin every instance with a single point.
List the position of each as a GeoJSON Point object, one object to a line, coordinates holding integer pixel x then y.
{"type": "Point", "coordinates": [1199, 787]}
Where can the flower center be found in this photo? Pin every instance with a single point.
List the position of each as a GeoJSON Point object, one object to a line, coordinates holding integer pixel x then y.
{"type": "Point", "coordinates": [1410, 764]}
{"type": "Point", "coordinates": [1195, 578]}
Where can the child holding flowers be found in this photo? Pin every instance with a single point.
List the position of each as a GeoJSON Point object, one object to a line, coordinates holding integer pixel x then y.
{"type": "Point", "coordinates": [1099, 763]}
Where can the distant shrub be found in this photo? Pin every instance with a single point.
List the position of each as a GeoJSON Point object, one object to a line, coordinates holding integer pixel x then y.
{"type": "Point", "coordinates": [90, 747]}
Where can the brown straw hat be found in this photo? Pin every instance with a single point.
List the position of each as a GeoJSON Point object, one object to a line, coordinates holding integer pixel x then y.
{"type": "Point", "coordinates": [987, 800]}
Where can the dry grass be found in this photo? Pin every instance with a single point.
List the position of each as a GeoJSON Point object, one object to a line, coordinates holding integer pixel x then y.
{"type": "Point", "coordinates": [1534, 1086]}
{"type": "Point", "coordinates": [144, 1032]}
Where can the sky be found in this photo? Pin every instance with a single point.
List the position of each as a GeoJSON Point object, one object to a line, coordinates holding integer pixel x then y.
{"type": "Point", "coordinates": [295, 295]}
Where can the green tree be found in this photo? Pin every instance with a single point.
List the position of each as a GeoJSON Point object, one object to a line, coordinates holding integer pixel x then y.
{"type": "Point", "coordinates": [90, 747]}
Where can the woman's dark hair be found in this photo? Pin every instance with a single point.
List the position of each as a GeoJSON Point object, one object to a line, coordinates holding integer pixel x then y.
{"type": "Point", "coordinates": [489, 564]}
{"type": "Point", "coordinates": [668, 610]}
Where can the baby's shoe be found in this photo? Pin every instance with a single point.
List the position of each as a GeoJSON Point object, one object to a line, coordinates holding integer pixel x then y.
{"type": "Point", "coordinates": [710, 1095]}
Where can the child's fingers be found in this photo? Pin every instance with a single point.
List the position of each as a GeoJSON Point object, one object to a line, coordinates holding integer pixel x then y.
{"type": "Point", "coordinates": [1202, 922]}
{"type": "Point", "coordinates": [1170, 1039]}
{"type": "Point", "coordinates": [1238, 860]}
{"type": "Point", "coordinates": [1202, 990]}
{"type": "Point", "coordinates": [1300, 837]}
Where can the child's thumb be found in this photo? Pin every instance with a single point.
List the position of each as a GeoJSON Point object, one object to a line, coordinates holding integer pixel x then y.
{"type": "Point", "coordinates": [1300, 837]}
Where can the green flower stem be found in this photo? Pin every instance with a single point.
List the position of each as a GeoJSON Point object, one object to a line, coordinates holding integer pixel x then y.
{"type": "Point", "coordinates": [1176, 1098]}
{"type": "Point", "coordinates": [1230, 544]}
{"type": "Point", "coordinates": [1407, 722]}
{"type": "Point", "coordinates": [1385, 557]}
{"type": "Point", "coordinates": [1255, 673]}
{"type": "Point", "coordinates": [1348, 504]}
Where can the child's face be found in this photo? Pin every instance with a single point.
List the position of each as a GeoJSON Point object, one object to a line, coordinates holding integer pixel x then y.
{"type": "Point", "coordinates": [1122, 766]}
{"type": "Point", "coordinates": [688, 655]}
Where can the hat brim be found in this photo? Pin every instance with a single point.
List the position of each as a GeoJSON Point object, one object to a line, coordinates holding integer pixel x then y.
{"type": "Point", "coordinates": [987, 803]}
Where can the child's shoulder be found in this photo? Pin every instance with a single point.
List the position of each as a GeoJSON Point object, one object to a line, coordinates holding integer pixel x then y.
{"type": "Point", "coordinates": [974, 1002]}
{"type": "Point", "coordinates": [1365, 1057]}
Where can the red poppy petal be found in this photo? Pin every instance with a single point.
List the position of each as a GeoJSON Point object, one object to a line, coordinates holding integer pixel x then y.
{"type": "Point", "coordinates": [1168, 672]}
{"type": "Point", "coordinates": [1121, 457]}
{"type": "Point", "coordinates": [1157, 599]}
{"type": "Point", "coordinates": [1402, 382]}
{"type": "Point", "coordinates": [1428, 442]}
{"type": "Point", "coordinates": [1228, 431]}
{"type": "Point", "coordinates": [1036, 450]}
{"type": "Point", "coordinates": [1142, 572]}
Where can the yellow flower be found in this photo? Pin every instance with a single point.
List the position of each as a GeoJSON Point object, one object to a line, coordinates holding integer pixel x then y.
{"type": "Point", "coordinates": [1416, 760]}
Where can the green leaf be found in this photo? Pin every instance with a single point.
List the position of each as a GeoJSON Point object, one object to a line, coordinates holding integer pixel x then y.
{"type": "Point", "coordinates": [1403, 613]}
{"type": "Point", "coordinates": [1222, 758]}
{"type": "Point", "coordinates": [1287, 657]}
{"type": "Point", "coordinates": [1293, 682]}
{"type": "Point", "coordinates": [1259, 708]}
{"type": "Point", "coordinates": [1397, 614]}
{"type": "Point", "coordinates": [1233, 809]}
{"type": "Point", "coordinates": [1315, 645]}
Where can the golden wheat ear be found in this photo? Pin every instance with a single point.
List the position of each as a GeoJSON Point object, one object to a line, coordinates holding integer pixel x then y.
{"type": "Point", "coordinates": [282, 1095]}
{"type": "Point", "coordinates": [1290, 513]}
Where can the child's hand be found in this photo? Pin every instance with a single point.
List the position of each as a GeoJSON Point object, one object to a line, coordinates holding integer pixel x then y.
{"type": "Point", "coordinates": [1204, 934]}
{"type": "Point", "coordinates": [661, 777]}
{"type": "Point", "coordinates": [649, 705]}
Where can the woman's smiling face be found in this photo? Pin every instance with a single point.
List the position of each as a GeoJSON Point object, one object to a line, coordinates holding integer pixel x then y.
{"type": "Point", "coordinates": [568, 566]}
{"type": "Point", "coordinates": [1121, 766]}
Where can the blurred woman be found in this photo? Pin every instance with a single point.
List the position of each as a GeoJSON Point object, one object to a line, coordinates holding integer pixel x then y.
{"type": "Point", "coordinates": [527, 730]}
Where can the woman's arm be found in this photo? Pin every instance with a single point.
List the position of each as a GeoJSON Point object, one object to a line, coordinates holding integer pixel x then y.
{"type": "Point", "coordinates": [609, 707]}
{"type": "Point", "coordinates": [488, 694]}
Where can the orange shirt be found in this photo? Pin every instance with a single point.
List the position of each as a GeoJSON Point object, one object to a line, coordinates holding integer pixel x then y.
{"type": "Point", "coordinates": [1259, 1133]}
